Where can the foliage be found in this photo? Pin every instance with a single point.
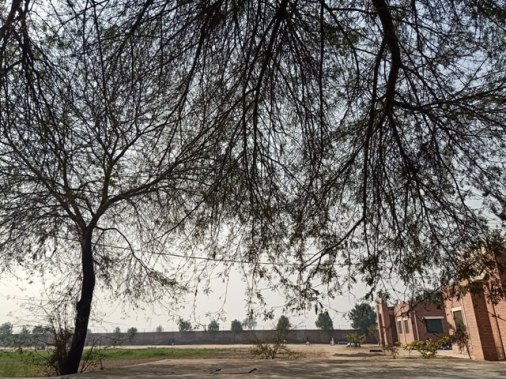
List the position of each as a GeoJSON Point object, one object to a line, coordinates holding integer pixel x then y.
{"type": "Point", "coordinates": [213, 326]}
{"type": "Point", "coordinates": [362, 317]}
{"type": "Point", "coordinates": [324, 322]}
{"type": "Point", "coordinates": [460, 337]}
{"type": "Point", "coordinates": [236, 326]}
{"type": "Point", "coordinates": [184, 325]}
{"type": "Point", "coordinates": [128, 132]}
{"type": "Point", "coordinates": [271, 351]}
{"type": "Point", "coordinates": [429, 348]}
{"type": "Point", "coordinates": [117, 337]}
{"type": "Point", "coordinates": [131, 333]}
{"type": "Point", "coordinates": [159, 329]}
{"type": "Point", "coordinates": [6, 334]}
{"type": "Point", "coordinates": [356, 339]}
{"type": "Point", "coordinates": [393, 349]}
{"type": "Point", "coordinates": [249, 322]}
{"type": "Point", "coordinates": [282, 328]}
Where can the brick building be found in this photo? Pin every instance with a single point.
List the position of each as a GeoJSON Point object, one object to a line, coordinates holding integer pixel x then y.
{"type": "Point", "coordinates": [479, 304]}
{"type": "Point", "coordinates": [406, 322]}
{"type": "Point", "coordinates": [484, 321]}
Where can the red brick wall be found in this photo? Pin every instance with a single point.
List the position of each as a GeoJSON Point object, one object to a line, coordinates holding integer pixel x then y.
{"type": "Point", "coordinates": [385, 323]}
{"type": "Point", "coordinates": [415, 316]}
{"type": "Point", "coordinates": [485, 323]}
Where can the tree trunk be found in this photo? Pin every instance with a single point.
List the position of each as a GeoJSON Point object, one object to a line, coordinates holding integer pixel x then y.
{"type": "Point", "coordinates": [83, 307]}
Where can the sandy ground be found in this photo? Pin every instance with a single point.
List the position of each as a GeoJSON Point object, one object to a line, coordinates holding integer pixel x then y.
{"type": "Point", "coordinates": [315, 361]}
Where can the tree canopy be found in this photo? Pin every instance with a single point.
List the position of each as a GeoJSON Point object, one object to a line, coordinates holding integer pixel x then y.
{"type": "Point", "coordinates": [282, 328]}
{"type": "Point", "coordinates": [236, 326]}
{"type": "Point", "coordinates": [362, 317]}
{"type": "Point", "coordinates": [184, 325]}
{"type": "Point", "coordinates": [324, 322]}
{"type": "Point", "coordinates": [249, 322]}
{"type": "Point", "coordinates": [329, 140]}
{"type": "Point", "coordinates": [213, 326]}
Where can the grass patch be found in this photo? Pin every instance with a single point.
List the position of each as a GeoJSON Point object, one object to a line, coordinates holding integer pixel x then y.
{"type": "Point", "coordinates": [164, 353]}
{"type": "Point", "coordinates": [31, 363]}
{"type": "Point", "coordinates": [22, 363]}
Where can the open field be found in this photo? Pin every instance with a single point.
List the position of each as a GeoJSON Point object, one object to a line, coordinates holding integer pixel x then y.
{"type": "Point", "coordinates": [31, 363]}
{"type": "Point", "coordinates": [314, 361]}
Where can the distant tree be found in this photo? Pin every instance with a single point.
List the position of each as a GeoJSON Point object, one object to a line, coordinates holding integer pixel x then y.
{"type": "Point", "coordinates": [249, 323]}
{"type": "Point", "coordinates": [324, 322]}
{"type": "Point", "coordinates": [184, 326]}
{"type": "Point", "coordinates": [131, 333]}
{"type": "Point", "coordinates": [341, 124]}
{"type": "Point", "coordinates": [159, 329]}
{"type": "Point", "coordinates": [6, 334]}
{"type": "Point", "coordinates": [236, 326]}
{"type": "Point", "coordinates": [282, 328]}
{"type": "Point", "coordinates": [40, 335]}
{"type": "Point", "coordinates": [117, 337]}
{"type": "Point", "coordinates": [24, 338]}
{"type": "Point", "coordinates": [362, 317]}
{"type": "Point", "coordinates": [6, 329]}
{"type": "Point", "coordinates": [213, 326]}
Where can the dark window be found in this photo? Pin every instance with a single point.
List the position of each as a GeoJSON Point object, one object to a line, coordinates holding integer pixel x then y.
{"type": "Point", "coordinates": [406, 326]}
{"type": "Point", "coordinates": [399, 327]}
{"type": "Point", "coordinates": [457, 316]}
{"type": "Point", "coordinates": [434, 325]}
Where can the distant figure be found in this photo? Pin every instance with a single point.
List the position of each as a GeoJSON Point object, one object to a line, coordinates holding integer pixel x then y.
{"type": "Point", "coordinates": [307, 341]}
{"type": "Point", "coordinates": [172, 342]}
{"type": "Point", "coordinates": [332, 341]}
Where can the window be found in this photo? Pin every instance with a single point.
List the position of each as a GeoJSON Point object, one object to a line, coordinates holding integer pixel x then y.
{"type": "Point", "coordinates": [399, 327]}
{"type": "Point", "coordinates": [406, 326]}
{"type": "Point", "coordinates": [434, 325]}
{"type": "Point", "coordinates": [457, 316]}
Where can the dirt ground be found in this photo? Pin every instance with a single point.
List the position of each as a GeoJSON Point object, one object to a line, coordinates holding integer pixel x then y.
{"type": "Point", "coordinates": [315, 361]}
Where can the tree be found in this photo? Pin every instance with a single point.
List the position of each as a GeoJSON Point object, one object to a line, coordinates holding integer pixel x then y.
{"type": "Point", "coordinates": [362, 317]}
{"type": "Point", "coordinates": [324, 322]}
{"type": "Point", "coordinates": [6, 329]}
{"type": "Point", "coordinates": [184, 326]}
{"type": "Point", "coordinates": [106, 162]}
{"type": "Point", "coordinates": [40, 335]}
{"type": "Point", "coordinates": [249, 322]}
{"type": "Point", "coordinates": [6, 334]}
{"type": "Point", "coordinates": [159, 329]}
{"type": "Point", "coordinates": [282, 328]}
{"type": "Point", "coordinates": [117, 337]}
{"type": "Point", "coordinates": [365, 129]}
{"type": "Point", "coordinates": [131, 333]}
{"type": "Point", "coordinates": [213, 326]}
{"type": "Point", "coordinates": [236, 326]}
{"type": "Point", "coordinates": [369, 139]}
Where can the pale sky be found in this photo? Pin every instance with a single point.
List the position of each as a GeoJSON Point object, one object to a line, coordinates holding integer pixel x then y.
{"type": "Point", "coordinates": [17, 297]}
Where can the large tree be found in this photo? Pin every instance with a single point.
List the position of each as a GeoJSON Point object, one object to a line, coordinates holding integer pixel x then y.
{"type": "Point", "coordinates": [324, 322]}
{"type": "Point", "coordinates": [320, 134]}
{"type": "Point", "coordinates": [103, 156]}
{"type": "Point", "coordinates": [362, 317]}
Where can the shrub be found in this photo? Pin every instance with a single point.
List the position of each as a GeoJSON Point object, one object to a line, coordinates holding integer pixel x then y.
{"type": "Point", "coordinates": [356, 339]}
{"type": "Point", "coordinates": [428, 349]}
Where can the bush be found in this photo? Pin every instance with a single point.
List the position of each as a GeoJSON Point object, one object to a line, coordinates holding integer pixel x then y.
{"type": "Point", "coordinates": [393, 349]}
{"type": "Point", "coordinates": [460, 337]}
{"type": "Point", "coordinates": [271, 351]}
{"type": "Point", "coordinates": [356, 339]}
{"type": "Point", "coordinates": [428, 349]}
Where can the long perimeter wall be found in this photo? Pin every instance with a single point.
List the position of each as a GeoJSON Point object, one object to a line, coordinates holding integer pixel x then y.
{"type": "Point", "coordinates": [221, 337]}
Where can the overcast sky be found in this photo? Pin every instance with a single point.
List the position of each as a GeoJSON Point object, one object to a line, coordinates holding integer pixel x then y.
{"type": "Point", "coordinates": [225, 302]}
